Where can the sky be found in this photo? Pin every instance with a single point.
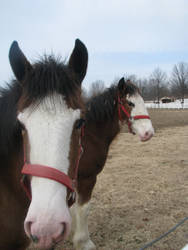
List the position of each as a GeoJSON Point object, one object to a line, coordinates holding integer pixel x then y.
{"type": "Point", "coordinates": [123, 37]}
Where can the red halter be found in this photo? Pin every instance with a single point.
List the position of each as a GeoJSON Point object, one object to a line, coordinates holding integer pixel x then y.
{"type": "Point", "coordinates": [121, 107]}
{"type": "Point", "coordinates": [52, 173]}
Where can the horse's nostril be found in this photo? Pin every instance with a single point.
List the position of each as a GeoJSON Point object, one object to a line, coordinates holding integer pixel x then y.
{"type": "Point", "coordinates": [34, 238]}
{"type": "Point", "coordinates": [27, 226]}
{"type": "Point", "coordinates": [64, 229]}
{"type": "Point", "coordinates": [61, 235]}
{"type": "Point", "coordinates": [146, 134]}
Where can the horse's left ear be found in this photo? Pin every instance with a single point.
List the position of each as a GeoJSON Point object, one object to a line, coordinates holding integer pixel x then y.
{"type": "Point", "coordinates": [18, 62]}
{"type": "Point", "coordinates": [121, 85]}
{"type": "Point", "coordinates": [78, 60]}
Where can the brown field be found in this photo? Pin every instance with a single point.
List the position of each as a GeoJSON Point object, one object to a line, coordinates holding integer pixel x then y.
{"type": "Point", "coordinates": [143, 190]}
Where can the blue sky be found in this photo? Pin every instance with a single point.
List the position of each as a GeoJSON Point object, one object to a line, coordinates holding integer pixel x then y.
{"type": "Point", "coordinates": [122, 36]}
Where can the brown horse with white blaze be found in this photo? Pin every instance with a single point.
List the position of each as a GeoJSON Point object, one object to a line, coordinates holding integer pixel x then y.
{"type": "Point", "coordinates": [42, 111]}
{"type": "Point", "coordinates": [38, 130]}
{"type": "Point", "coordinates": [105, 115]}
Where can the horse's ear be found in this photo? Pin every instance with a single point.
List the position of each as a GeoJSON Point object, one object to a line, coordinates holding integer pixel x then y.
{"type": "Point", "coordinates": [78, 60]}
{"type": "Point", "coordinates": [122, 85]}
{"type": "Point", "coordinates": [18, 62]}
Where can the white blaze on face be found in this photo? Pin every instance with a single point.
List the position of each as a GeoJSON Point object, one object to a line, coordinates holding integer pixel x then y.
{"type": "Point", "coordinates": [49, 129]}
{"type": "Point", "coordinates": [142, 127]}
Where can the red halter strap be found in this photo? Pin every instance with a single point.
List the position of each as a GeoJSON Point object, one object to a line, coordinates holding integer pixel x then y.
{"type": "Point", "coordinates": [121, 107]}
{"type": "Point", "coordinates": [52, 173]}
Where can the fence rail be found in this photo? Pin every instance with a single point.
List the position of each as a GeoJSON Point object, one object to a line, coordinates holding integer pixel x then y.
{"type": "Point", "coordinates": [172, 105]}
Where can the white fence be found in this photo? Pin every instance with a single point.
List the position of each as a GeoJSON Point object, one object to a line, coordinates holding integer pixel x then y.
{"type": "Point", "coordinates": [172, 105]}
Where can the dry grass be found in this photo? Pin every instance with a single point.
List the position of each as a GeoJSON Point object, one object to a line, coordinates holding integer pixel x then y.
{"type": "Point", "coordinates": [168, 118]}
{"type": "Point", "coordinates": [143, 190]}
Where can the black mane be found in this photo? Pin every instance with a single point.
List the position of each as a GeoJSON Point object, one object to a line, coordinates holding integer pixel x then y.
{"type": "Point", "coordinates": [48, 76]}
{"type": "Point", "coordinates": [102, 107]}
{"type": "Point", "coordinates": [10, 130]}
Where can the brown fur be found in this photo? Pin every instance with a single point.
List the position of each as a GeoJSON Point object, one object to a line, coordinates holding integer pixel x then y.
{"type": "Point", "coordinates": [13, 206]}
{"type": "Point", "coordinates": [96, 143]}
{"type": "Point", "coordinates": [33, 84]}
{"type": "Point", "coordinates": [100, 131]}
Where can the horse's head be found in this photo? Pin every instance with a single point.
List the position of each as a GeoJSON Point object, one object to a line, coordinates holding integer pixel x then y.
{"type": "Point", "coordinates": [48, 110]}
{"type": "Point", "coordinates": [132, 108]}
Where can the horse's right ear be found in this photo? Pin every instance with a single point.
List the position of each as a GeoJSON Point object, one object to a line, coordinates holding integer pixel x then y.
{"type": "Point", "coordinates": [121, 85]}
{"type": "Point", "coordinates": [18, 62]}
{"type": "Point", "coordinates": [78, 60]}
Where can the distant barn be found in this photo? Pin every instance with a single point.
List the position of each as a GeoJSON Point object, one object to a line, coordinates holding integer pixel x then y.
{"type": "Point", "coordinates": [166, 99]}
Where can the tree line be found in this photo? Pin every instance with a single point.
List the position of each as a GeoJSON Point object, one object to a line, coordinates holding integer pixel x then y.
{"type": "Point", "coordinates": [157, 85]}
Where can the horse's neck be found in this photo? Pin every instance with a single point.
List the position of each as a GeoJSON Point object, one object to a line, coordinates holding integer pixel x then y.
{"type": "Point", "coordinates": [106, 130]}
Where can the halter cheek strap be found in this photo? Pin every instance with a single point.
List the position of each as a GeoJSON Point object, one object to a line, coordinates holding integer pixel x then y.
{"type": "Point", "coordinates": [52, 173]}
{"type": "Point", "coordinates": [121, 108]}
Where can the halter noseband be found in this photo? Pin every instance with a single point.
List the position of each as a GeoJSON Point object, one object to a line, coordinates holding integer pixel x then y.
{"type": "Point", "coordinates": [121, 107]}
{"type": "Point", "coordinates": [52, 173]}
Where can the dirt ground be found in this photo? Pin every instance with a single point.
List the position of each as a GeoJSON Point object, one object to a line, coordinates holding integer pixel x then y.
{"type": "Point", "coordinates": [143, 190]}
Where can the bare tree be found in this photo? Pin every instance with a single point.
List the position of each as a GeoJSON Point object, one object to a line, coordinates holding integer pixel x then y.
{"type": "Point", "coordinates": [179, 80]}
{"type": "Point", "coordinates": [158, 81]}
{"type": "Point", "coordinates": [97, 88]}
{"type": "Point", "coordinates": [131, 77]}
{"type": "Point", "coordinates": [142, 84]}
{"type": "Point", "coordinates": [84, 94]}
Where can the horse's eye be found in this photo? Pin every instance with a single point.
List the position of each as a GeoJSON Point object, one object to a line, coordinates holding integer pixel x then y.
{"type": "Point", "coordinates": [21, 125]}
{"type": "Point", "coordinates": [131, 104]}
